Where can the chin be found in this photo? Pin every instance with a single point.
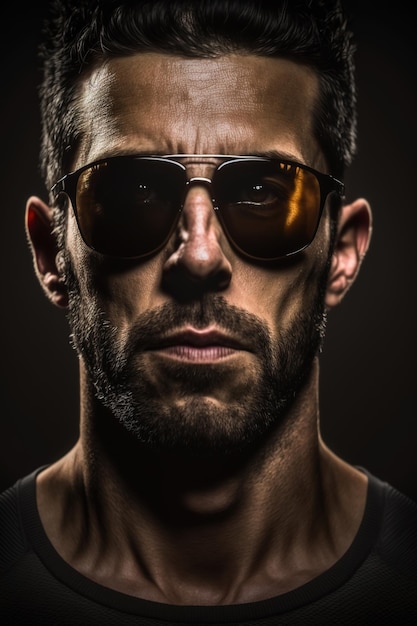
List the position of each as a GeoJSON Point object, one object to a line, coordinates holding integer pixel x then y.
{"type": "Point", "coordinates": [199, 424]}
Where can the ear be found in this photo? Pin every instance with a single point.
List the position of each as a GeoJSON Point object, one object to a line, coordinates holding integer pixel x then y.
{"type": "Point", "coordinates": [352, 241]}
{"type": "Point", "coordinates": [39, 230]}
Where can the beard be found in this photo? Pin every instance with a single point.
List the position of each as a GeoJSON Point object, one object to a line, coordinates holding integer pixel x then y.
{"type": "Point", "coordinates": [195, 424]}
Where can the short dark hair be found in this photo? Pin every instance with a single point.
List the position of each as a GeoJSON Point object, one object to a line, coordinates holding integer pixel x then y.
{"type": "Point", "coordinates": [79, 33]}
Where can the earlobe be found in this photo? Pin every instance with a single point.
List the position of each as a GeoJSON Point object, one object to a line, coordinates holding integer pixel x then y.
{"type": "Point", "coordinates": [352, 242]}
{"type": "Point", "coordinates": [42, 240]}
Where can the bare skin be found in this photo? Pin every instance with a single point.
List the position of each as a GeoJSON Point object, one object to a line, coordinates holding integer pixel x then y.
{"type": "Point", "coordinates": [152, 523]}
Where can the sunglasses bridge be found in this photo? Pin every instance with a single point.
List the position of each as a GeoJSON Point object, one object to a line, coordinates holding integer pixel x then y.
{"type": "Point", "coordinates": [203, 181]}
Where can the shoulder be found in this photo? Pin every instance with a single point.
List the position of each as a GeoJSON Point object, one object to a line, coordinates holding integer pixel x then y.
{"type": "Point", "coordinates": [17, 512]}
{"type": "Point", "coordinates": [12, 541]}
{"type": "Point", "coordinates": [20, 568]}
{"type": "Point", "coordinates": [377, 577]}
{"type": "Point", "coordinates": [384, 584]}
{"type": "Point", "coordinates": [397, 541]}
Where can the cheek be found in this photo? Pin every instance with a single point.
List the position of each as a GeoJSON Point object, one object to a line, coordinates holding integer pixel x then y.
{"type": "Point", "coordinates": [121, 290]}
{"type": "Point", "coordinates": [126, 294]}
{"type": "Point", "coordinates": [270, 294]}
{"type": "Point", "coordinates": [280, 295]}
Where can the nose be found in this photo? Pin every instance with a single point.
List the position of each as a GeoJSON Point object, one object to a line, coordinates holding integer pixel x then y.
{"type": "Point", "coordinates": [198, 261]}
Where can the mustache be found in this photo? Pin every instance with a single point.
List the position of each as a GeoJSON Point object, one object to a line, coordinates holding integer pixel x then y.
{"type": "Point", "coordinates": [211, 310]}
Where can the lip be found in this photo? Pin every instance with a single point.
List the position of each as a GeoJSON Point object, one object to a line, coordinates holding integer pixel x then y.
{"type": "Point", "coordinates": [195, 345]}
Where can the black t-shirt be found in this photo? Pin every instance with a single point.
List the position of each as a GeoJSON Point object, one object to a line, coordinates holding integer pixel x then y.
{"type": "Point", "coordinates": [375, 581]}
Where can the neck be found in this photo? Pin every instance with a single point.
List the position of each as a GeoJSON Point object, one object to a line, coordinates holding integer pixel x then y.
{"type": "Point", "coordinates": [172, 481]}
{"type": "Point", "coordinates": [210, 523]}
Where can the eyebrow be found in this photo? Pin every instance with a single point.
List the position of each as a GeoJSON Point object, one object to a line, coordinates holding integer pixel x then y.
{"type": "Point", "coordinates": [272, 154]}
{"type": "Point", "coordinates": [116, 152]}
{"type": "Point", "coordinates": [277, 154]}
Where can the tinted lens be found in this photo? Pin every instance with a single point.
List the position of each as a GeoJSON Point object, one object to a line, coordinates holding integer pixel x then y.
{"type": "Point", "coordinates": [128, 207]}
{"type": "Point", "coordinates": [268, 209]}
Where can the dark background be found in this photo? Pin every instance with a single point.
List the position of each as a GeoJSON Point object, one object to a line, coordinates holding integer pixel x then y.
{"type": "Point", "coordinates": [368, 379]}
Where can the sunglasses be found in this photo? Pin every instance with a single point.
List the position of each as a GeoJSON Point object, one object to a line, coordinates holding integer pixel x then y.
{"type": "Point", "coordinates": [129, 206]}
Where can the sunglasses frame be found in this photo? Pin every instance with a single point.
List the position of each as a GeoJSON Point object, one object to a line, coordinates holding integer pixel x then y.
{"type": "Point", "coordinates": [327, 184]}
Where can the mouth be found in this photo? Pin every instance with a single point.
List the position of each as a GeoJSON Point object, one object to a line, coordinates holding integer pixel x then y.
{"type": "Point", "coordinates": [199, 346]}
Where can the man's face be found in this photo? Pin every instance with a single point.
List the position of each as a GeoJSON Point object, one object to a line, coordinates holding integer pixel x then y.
{"type": "Point", "coordinates": [197, 345]}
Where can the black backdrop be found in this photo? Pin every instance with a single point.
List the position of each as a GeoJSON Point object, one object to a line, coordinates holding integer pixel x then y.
{"type": "Point", "coordinates": [368, 387]}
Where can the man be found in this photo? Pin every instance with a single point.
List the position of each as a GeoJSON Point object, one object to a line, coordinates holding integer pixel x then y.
{"type": "Point", "coordinates": [197, 235]}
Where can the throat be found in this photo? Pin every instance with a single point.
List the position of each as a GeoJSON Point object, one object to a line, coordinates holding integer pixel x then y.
{"type": "Point", "coordinates": [216, 540]}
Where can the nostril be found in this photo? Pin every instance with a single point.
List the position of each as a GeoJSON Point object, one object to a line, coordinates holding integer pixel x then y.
{"type": "Point", "coordinates": [223, 279]}
{"type": "Point", "coordinates": [186, 286]}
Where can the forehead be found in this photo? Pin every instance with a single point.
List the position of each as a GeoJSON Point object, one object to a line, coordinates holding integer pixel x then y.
{"type": "Point", "coordinates": [234, 104]}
